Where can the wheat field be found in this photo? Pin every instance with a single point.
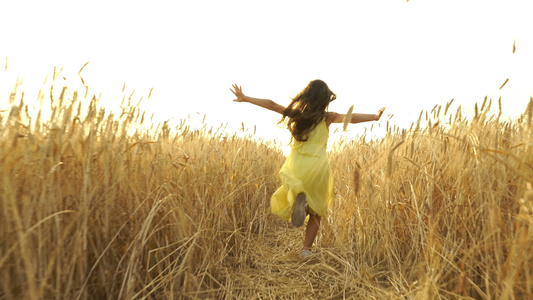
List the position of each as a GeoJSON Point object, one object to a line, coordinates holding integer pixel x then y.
{"type": "Point", "coordinates": [96, 205]}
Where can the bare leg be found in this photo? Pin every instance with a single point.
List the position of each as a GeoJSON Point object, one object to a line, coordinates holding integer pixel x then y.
{"type": "Point", "coordinates": [310, 232]}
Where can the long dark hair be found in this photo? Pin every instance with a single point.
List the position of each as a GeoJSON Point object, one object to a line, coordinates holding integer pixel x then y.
{"type": "Point", "coordinates": [308, 109]}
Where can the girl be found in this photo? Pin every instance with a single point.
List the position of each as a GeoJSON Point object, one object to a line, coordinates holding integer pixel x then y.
{"type": "Point", "coordinates": [306, 174]}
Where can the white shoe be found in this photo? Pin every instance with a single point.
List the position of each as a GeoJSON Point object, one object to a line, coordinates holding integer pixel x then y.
{"type": "Point", "coordinates": [299, 211]}
{"type": "Point", "coordinates": [307, 254]}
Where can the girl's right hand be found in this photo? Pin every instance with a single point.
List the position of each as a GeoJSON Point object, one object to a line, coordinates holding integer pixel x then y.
{"type": "Point", "coordinates": [380, 113]}
{"type": "Point", "coordinates": [237, 91]}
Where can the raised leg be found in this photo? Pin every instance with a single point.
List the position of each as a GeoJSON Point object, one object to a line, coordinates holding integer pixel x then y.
{"type": "Point", "coordinates": [299, 211]}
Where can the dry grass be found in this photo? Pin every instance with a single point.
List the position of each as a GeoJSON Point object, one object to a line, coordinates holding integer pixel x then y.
{"type": "Point", "coordinates": [93, 207]}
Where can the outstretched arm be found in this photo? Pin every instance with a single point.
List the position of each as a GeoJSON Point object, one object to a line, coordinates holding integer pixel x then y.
{"type": "Point", "coordinates": [265, 103]}
{"type": "Point", "coordinates": [333, 117]}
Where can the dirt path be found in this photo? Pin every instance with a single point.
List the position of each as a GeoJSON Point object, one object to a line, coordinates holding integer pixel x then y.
{"type": "Point", "coordinates": [273, 269]}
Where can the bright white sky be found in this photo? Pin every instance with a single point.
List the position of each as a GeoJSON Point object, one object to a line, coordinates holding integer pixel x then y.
{"type": "Point", "coordinates": [407, 56]}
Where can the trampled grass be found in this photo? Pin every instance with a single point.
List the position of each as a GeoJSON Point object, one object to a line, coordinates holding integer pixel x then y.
{"type": "Point", "coordinates": [94, 207]}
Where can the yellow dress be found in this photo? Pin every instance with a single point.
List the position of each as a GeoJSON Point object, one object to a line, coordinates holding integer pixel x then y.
{"type": "Point", "coordinates": [306, 170]}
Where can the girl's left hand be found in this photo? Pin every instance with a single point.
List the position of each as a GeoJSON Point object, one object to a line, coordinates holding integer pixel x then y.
{"type": "Point", "coordinates": [237, 91]}
{"type": "Point", "coordinates": [380, 113]}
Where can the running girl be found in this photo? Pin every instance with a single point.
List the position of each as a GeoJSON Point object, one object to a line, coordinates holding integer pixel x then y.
{"type": "Point", "coordinates": [306, 174]}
